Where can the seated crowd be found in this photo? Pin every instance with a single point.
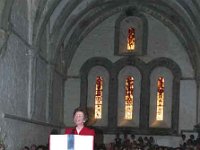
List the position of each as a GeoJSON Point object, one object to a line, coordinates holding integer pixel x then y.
{"type": "Point", "coordinates": [149, 143]}
{"type": "Point", "coordinates": [140, 143]}
{"type": "Point", "coordinates": [35, 147]}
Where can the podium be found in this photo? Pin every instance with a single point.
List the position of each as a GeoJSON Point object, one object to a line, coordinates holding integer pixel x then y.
{"type": "Point", "coordinates": [71, 142]}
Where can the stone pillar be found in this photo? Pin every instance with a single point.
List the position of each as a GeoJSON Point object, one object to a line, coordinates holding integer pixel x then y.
{"type": "Point", "coordinates": [3, 40]}
{"type": "Point", "coordinates": [198, 102]}
{"type": "Point", "coordinates": [49, 92]}
{"type": "Point", "coordinates": [50, 70]}
{"type": "Point", "coordinates": [197, 126]}
{"type": "Point", "coordinates": [31, 82]}
{"type": "Point", "coordinates": [198, 95]}
{"type": "Point", "coordinates": [30, 18]}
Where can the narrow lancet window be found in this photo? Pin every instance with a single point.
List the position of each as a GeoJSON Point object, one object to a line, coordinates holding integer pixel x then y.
{"type": "Point", "coordinates": [131, 39]}
{"type": "Point", "coordinates": [98, 97]}
{"type": "Point", "coordinates": [160, 99]}
{"type": "Point", "coordinates": [129, 88]}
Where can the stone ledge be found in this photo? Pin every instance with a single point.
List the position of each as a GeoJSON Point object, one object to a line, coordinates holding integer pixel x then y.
{"type": "Point", "coordinates": [18, 118]}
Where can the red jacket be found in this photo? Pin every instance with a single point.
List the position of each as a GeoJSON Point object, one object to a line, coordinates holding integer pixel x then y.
{"type": "Point", "coordinates": [84, 131]}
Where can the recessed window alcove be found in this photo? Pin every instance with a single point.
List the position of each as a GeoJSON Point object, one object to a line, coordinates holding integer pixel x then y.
{"type": "Point", "coordinates": [144, 90]}
{"type": "Point", "coordinates": [131, 32]}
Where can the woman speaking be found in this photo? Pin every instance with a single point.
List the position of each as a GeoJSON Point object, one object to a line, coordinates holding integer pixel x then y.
{"type": "Point", "coordinates": [80, 118]}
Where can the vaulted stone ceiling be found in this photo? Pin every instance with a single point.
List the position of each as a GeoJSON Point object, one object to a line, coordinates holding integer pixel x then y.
{"type": "Point", "coordinates": [69, 22]}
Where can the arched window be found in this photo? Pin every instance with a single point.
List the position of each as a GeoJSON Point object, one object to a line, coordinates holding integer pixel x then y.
{"type": "Point", "coordinates": [131, 39]}
{"type": "Point", "coordinates": [98, 97]}
{"type": "Point", "coordinates": [129, 87]}
{"type": "Point", "coordinates": [139, 97]}
{"type": "Point", "coordinates": [131, 35]}
{"type": "Point", "coordinates": [160, 98]}
{"type": "Point", "coordinates": [161, 84]}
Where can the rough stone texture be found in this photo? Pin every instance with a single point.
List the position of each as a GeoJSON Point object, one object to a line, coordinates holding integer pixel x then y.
{"type": "Point", "coordinates": [2, 5]}
{"type": "Point", "coordinates": [19, 18]}
{"type": "Point", "coordinates": [43, 45]}
{"type": "Point", "coordinates": [14, 72]}
{"type": "Point", "coordinates": [40, 99]}
{"type": "Point", "coordinates": [14, 91]}
{"type": "Point", "coordinates": [35, 4]}
{"type": "Point", "coordinates": [2, 37]}
{"type": "Point", "coordinates": [56, 13]}
{"type": "Point", "coordinates": [19, 134]}
{"type": "Point", "coordinates": [58, 102]}
{"type": "Point", "coordinates": [188, 105]}
{"type": "Point", "coordinates": [3, 40]}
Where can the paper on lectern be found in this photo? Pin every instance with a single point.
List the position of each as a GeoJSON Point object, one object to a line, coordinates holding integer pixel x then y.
{"type": "Point", "coordinates": [71, 142]}
{"type": "Point", "coordinates": [83, 141]}
{"type": "Point", "coordinates": [58, 142]}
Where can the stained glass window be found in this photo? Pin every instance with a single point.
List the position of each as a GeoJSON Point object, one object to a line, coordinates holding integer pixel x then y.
{"type": "Point", "coordinates": [160, 99]}
{"type": "Point", "coordinates": [98, 97]}
{"type": "Point", "coordinates": [131, 39]}
{"type": "Point", "coordinates": [129, 87]}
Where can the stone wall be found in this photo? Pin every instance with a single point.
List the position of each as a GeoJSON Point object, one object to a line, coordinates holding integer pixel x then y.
{"type": "Point", "coordinates": [31, 91]}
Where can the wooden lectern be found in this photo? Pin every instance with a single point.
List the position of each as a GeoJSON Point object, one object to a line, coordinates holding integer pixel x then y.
{"type": "Point", "coordinates": [71, 142]}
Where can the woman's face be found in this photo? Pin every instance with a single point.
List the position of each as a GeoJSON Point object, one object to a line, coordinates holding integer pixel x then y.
{"type": "Point", "coordinates": [79, 118]}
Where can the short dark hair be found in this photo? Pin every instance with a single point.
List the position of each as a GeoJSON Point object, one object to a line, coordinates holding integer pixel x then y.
{"type": "Point", "coordinates": [54, 131]}
{"type": "Point", "coordinates": [83, 110]}
{"type": "Point", "coordinates": [26, 147]}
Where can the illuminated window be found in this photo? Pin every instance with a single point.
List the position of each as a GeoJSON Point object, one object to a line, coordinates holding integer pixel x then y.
{"type": "Point", "coordinates": [131, 39]}
{"type": "Point", "coordinates": [98, 97]}
{"type": "Point", "coordinates": [129, 86]}
{"type": "Point", "coordinates": [160, 98]}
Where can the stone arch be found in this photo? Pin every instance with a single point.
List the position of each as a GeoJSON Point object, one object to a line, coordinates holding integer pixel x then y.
{"type": "Point", "coordinates": [6, 14]}
{"type": "Point", "coordinates": [96, 61]}
{"type": "Point", "coordinates": [144, 34]}
{"type": "Point", "coordinates": [5, 24]}
{"type": "Point", "coordinates": [176, 71]}
{"type": "Point", "coordinates": [117, 66]}
{"type": "Point", "coordinates": [79, 34]}
{"type": "Point", "coordinates": [43, 16]}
